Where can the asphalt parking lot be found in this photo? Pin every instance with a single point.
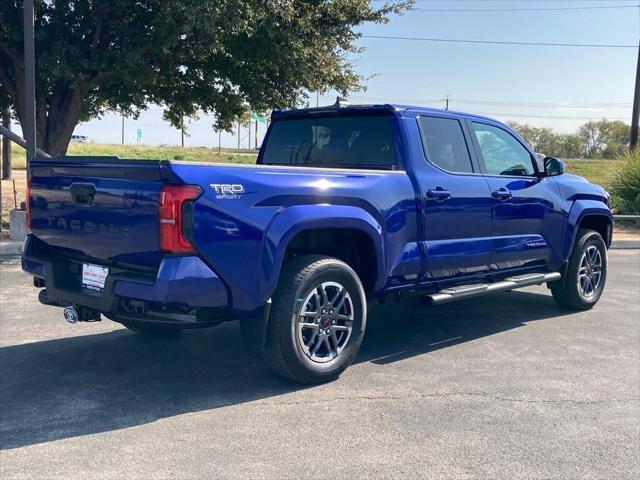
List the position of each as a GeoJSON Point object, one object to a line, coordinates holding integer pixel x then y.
{"type": "Point", "coordinates": [506, 386]}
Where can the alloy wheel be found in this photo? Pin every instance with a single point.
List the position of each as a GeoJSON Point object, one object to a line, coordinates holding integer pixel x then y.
{"type": "Point", "coordinates": [325, 322]}
{"type": "Point", "coordinates": [590, 272]}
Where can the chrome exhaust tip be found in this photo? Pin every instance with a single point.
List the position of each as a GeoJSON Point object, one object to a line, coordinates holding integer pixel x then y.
{"type": "Point", "coordinates": [71, 314]}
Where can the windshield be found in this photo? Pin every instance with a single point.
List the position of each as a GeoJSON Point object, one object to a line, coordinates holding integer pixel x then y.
{"type": "Point", "coordinates": [342, 141]}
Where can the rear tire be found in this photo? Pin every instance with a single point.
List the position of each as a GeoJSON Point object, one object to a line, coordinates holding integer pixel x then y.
{"type": "Point", "coordinates": [317, 320]}
{"type": "Point", "coordinates": [586, 274]}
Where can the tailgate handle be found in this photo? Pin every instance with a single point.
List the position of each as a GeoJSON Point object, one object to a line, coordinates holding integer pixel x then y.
{"type": "Point", "coordinates": [82, 194]}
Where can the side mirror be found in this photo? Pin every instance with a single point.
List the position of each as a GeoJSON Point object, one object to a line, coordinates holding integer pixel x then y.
{"type": "Point", "coordinates": [553, 167]}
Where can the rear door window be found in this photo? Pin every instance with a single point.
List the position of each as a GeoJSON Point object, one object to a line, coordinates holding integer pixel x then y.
{"type": "Point", "coordinates": [341, 141]}
{"type": "Point", "coordinates": [444, 144]}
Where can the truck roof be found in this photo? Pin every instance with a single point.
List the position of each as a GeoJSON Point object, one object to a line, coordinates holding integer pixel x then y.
{"type": "Point", "coordinates": [397, 109]}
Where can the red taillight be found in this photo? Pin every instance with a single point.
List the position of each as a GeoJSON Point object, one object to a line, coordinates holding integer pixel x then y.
{"type": "Point", "coordinates": [28, 202]}
{"type": "Point", "coordinates": [170, 217]}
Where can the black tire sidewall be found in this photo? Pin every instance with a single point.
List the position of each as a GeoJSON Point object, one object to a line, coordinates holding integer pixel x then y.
{"type": "Point", "coordinates": [587, 239]}
{"type": "Point", "coordinates": [297, 360]}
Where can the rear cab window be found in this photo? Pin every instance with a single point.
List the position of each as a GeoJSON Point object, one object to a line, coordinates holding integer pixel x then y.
{"type": "Point", "coordinates": [341, 141]}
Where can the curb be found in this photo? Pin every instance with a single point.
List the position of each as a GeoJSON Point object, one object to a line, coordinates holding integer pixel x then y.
{"type": "Point", "coordinates": [625, 245]}
{"type": "Point", "coordinates": [10, 248]}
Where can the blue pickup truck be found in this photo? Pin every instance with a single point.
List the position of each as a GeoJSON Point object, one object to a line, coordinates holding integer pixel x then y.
{"type": "Point", "coordinates": [345, 206]}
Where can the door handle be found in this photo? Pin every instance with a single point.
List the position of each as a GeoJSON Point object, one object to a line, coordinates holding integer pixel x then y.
{"type": "Point", "coordinates": [439, 194]}
{"type": "Point", "coordinates": [501, 194]}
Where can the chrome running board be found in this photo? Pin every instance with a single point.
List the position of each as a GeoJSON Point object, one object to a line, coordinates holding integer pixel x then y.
{"type": "Point", "coordinates": [468, 291]}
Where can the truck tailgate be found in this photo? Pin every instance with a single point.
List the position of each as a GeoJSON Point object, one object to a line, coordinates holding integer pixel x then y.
{"type": "Point", "coordinates": [105, 209]}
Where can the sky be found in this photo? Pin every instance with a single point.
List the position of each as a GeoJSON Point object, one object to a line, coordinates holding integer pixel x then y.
{"type": "Point", "coordinates": [549, 86]}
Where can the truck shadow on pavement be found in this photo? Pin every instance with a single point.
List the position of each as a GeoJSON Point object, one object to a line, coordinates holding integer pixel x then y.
{"type": "Point", "coordinates": [89, 384]}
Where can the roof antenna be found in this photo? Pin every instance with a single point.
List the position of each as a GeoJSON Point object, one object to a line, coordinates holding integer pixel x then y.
{"type": "Point", "coordinates": [341, 102]}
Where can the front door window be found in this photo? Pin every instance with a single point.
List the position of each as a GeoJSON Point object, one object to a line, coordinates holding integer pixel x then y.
{"type": "Point", "coordinates": [502, 153]}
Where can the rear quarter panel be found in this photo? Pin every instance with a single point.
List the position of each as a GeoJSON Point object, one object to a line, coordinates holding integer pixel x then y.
{"type": "Point", "coordinates": [243, 237]}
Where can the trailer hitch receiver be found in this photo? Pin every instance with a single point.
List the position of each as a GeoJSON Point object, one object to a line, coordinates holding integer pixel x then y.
{"type": "Point", "coordinates": [75, 314]}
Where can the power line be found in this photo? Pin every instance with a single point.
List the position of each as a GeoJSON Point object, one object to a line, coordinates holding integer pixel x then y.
{"type": "Point", "coordinates": [552, 117]}
{"type": "Point", "coordinates": [513, 1]}
{"type": "Point", "coordinates": [386, 99]}
{"type": "Point", "coordinates": [631, 2]}
{"type": "Point", "coordinates": [524, 9]}
{"type": "Point", "coordinates": [497, 42]}
{"type": "Point", "coordinates": [545, 104]}
{"type": "Point", "coordinates": [507, 103]}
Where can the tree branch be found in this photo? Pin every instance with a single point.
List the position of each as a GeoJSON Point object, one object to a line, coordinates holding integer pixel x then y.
{"type": "Point", "coordinates": [96, 37]}
{"type": "Point", "coordinates": [57, 95]}
{"type": "Point", "coordinates": [5, 48]}
{"type": "Point", "coordinates": [6, 80]}
{"type": "Point", "coordinates": [93, 81]}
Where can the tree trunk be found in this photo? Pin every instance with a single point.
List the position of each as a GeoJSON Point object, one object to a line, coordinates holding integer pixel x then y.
{"type": "Point", "coordinates": [6, 146]}
{"type": "Point", "coordinates": [56, 115]}
{"type": "Point", "coordinates": [55, 125]}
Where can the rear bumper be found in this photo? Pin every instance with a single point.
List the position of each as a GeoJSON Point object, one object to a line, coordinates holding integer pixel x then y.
{"type": "Point", "coordinates": [181, 281]}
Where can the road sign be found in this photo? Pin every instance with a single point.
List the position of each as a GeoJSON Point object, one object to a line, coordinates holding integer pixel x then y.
{"type": "Point", "coordinates": [258, 117]}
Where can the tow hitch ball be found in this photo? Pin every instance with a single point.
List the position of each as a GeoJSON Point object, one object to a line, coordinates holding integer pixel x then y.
{"type": "Point", "coordinates": [73, 314]}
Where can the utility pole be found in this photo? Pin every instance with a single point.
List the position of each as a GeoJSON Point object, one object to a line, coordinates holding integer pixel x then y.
{"type": "Point", "coordinates": [182, 133]}
{"type": "Point", "coordinates": [238, 134]}
{"type": "Point", "coordinates": [30, 81]}
{"type": "Point", "coordinates": [635, 116]}
{"type": "Point", "coordinates": [256, 133]}
{"type": "Point", "coordinates": [122, 129]}
{"type": "Point", "coordinates": [219, 142]}
{"type": "Point", "coordinates": [6, 146]}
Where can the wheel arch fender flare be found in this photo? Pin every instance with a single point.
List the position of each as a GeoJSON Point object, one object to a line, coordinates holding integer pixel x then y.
{"type": "Point", "coordinates": [296, 219]}
{"type": "Point", "coordinates": [581, 210]}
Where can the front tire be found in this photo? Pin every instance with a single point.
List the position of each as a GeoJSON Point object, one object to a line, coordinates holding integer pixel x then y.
{"type": "Point", "coordinates": [586, 273]}
{"type": "Point", "coordinates": [317, 320]}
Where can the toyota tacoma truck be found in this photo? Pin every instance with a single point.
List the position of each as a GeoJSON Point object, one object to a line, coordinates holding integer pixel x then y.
{"type": "Point", "coordinates": [345, 206]}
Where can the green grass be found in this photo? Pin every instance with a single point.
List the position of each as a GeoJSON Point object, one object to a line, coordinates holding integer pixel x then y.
{"type": "Point", "coordinates": [596, 171]}
{"type": "Point", "coordinates": [190, 154]}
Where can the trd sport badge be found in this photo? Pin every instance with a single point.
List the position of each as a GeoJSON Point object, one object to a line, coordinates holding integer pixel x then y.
{"type": "Point", "coordinates": [228, 191]}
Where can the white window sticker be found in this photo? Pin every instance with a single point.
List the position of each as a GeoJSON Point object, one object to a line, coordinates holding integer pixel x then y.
{"type": "Point", "coordinates": [94, 276]}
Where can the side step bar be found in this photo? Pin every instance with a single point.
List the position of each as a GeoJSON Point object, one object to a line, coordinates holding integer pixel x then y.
{"type": "Point", "coordinates": [468, 291]}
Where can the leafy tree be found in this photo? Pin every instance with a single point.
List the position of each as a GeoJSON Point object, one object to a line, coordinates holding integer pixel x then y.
{"type": "Point", "coordinates": [543, 140]}
{"type": "Point", "coordinates": [592, 138]}
{"type": "Point", "coordinates": [616, 138]}
{"type": "Point", "coordinates": [604, 138]}
{"type": "Point", "coordinates": [4, 99]}
{"type": "Point", "coordinates": [570, 146]}
{"type": "Point", "coordinates": [187, 55]}
{"type": "Point", "coordinates": [601, 138]}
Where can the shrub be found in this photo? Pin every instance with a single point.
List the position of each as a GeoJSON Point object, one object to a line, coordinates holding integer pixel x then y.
{"type": "Point", "coordinates": [625, 184]}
